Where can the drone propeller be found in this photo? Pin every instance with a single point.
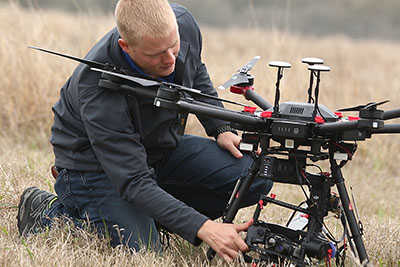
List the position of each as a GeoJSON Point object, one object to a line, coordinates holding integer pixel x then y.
{"type": "Point", "coordinates": [151, 83]}
{"type": "Point", "coordinates": [140, 81]}
{"type": "Point", "coordinates": [241, 75]}
{"type": "Point", "coordinates": [368, 106]}
{"type": "Point", "coordinates": [110, 70]}
{"type": "Point", "coordinates": [90, 63]}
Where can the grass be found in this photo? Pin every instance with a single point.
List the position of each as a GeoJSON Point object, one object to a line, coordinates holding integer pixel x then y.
{"type": "Point", "coordinates": [362, 71]}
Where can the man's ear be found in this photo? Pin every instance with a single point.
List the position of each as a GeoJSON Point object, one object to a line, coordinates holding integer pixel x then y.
{"type": "Point", "coordinates": [124, 45]}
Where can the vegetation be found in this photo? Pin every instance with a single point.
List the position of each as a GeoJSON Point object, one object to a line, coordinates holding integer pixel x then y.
{"type": "Point", "coordinates": [359, 19]}
{"type": "Point", "coordinates": [362, 71]}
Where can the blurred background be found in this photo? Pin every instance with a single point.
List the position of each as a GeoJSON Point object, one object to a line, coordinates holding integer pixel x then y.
{"type": "Point", "coordinates": [356, 18]}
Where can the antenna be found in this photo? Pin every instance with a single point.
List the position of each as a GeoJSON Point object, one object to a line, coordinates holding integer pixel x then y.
{"type": "Point", "coordinates": [280, 65]}
{"type": "Point", "coordinates": [311, 61]}
{"type": "Point", "coordinates": [316, 70]}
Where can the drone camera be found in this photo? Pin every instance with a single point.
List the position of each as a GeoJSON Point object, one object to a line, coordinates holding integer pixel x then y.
{"type": "Point", "coordinates": [287, 242]}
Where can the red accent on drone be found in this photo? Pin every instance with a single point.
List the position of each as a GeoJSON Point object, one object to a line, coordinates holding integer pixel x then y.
{"type": "Point", "coordinates": [273, 196]}
{"type": "Point", "coordinates": [250, 109]}
{"type": "Point", "coordinates": [307, 216]}
{"type": "Point", "coordinates": [261, 203]}
{"type": "Point", "coordinates": [339, 114]}
{"type": "Point", "coordinates": [266, 114]}
{"type": "Point", "coordinates": [241, 90]}
{"type": "Point", "coordinates": [319, 119]}
{"type": "Point", "coordinates": [326, 174]}
{"type": "Point", "coordinates": [350, 118]}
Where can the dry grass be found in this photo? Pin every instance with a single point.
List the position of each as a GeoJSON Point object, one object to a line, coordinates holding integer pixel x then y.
{"type": "Point", "coordinates": [362, 71]}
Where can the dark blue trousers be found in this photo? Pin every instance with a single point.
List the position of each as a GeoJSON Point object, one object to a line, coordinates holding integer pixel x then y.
{"type": "Point", "coordinates": [197, 172]}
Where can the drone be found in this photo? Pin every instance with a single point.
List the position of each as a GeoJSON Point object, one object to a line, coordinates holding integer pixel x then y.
{"type": "Point", "coordinates": [292, 136]}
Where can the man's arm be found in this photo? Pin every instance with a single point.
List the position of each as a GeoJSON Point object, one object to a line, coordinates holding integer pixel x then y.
{"type": "Point", "coordinates": [120, 152]}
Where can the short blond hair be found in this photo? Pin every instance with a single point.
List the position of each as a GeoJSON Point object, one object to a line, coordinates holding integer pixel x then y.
{"type": "Point", "coordinates": [136, 18]}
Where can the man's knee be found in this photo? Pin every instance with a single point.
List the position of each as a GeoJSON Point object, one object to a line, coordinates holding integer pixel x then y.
{"type": "Point", "coordinates": [259, 187]}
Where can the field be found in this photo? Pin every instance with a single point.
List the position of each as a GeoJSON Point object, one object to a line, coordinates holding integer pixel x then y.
{"type": "Point", "coordinates": [362, 71]}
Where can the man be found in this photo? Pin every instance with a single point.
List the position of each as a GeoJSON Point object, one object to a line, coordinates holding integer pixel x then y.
{"type": "Point", "coordinates": [122, 164]}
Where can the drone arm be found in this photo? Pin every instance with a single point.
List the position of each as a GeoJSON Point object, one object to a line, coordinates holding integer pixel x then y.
{"type": "Point", "coordinates": [199, 108]}
{"type": "Point", "coordinates": [334, 127]}
{"type": "Point", "coordinates": [387, 129]}
{"type": "Point", "coordinates": [147, 92]}
{"type": "Point", "coordinates": [391, 114]}
{"type": "Point", "coordinates": [257, 99]}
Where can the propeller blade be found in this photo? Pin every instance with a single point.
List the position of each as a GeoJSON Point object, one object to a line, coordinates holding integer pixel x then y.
{"type": "Point", "coordinates": [100, 67]}
{"type": "Point", "coordinates": [371, 105]}
{"type": "Point", "coordinates": [357, 108]}
{"type": "Point", "coordinates": [140, 81]}
{"type": "Point", "coordinates": [151, 83]}
{"type": "Point", "coordinates": [241, 75]}
{"type": "Point", "coordinates": [196, 92]}
{"type": "Point", "coordinates": [246, 68]}
{"type": "Point", "coordinates": [90, 63]}
{"type": "Point", "coordinates": [361, 107]}
{"type": "Point", "coordinates": [237, 78]}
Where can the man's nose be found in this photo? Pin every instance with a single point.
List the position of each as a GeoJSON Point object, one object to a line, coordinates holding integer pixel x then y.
{"type": "Point", "coordinates": [169, 57]}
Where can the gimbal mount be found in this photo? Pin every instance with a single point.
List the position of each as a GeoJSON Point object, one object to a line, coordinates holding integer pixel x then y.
{"type": "Point", "coordinates": [303, 132]}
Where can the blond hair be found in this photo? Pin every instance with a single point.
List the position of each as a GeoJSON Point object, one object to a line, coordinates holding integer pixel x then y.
{"type": "Point", "coordinates": [136, 18]}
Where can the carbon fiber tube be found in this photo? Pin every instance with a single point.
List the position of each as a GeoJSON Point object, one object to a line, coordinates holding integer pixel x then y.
{"type": "Point", "coordinates": [147, 92]}
{"type": "Point", "coordinates": [334, 127]}
{"type": "Point", "coordinates": [391, 114]}
{"type": "Point", "coordinates": [257, 99]}
{"type": "Point", "coordinates": [387, 129]}
{"type": "Point", "coordinates": [223, 114]}
{"type": "Point", "coordinates": [350, 216]}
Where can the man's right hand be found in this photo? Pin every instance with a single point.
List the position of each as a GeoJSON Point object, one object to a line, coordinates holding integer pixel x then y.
{"type": "Point", "coordinates": [224, 238]}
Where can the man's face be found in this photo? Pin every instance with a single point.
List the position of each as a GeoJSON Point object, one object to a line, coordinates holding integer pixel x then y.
{"type": "Point", "coordinates": [156, 56]}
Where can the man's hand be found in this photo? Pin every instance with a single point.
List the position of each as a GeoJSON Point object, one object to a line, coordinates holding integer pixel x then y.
{"type": "Point", "coordinates": [224, 238]}
{"type": "Point", "coordinates": [230, 142]}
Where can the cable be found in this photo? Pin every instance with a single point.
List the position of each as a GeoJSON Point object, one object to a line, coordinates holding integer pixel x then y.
{"type": "Point", "coordinates": [316, 166]}
{"type": "Point", "coordinates": [330, 235]}
{"type": "Point", "coordinates": [299, 178]}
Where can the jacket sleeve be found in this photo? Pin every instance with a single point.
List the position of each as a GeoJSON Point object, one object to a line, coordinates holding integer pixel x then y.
{"type": "Point", "coordinates": [118, 148]}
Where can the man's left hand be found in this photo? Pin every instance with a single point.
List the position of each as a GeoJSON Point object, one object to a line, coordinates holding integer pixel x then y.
{"type": "Point", "coordinates": [230, 142]}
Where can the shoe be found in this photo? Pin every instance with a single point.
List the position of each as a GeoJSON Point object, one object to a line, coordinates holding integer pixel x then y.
{"type": "Point", "coordinates": [32, 204]}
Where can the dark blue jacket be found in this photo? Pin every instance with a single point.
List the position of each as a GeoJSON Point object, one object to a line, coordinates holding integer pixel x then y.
{"type": "Point", "coordinates": [94, 129]}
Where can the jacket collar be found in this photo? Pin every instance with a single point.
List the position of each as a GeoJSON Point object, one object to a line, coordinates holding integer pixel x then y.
{"type": "Point", "coordinates": [181, 62]}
